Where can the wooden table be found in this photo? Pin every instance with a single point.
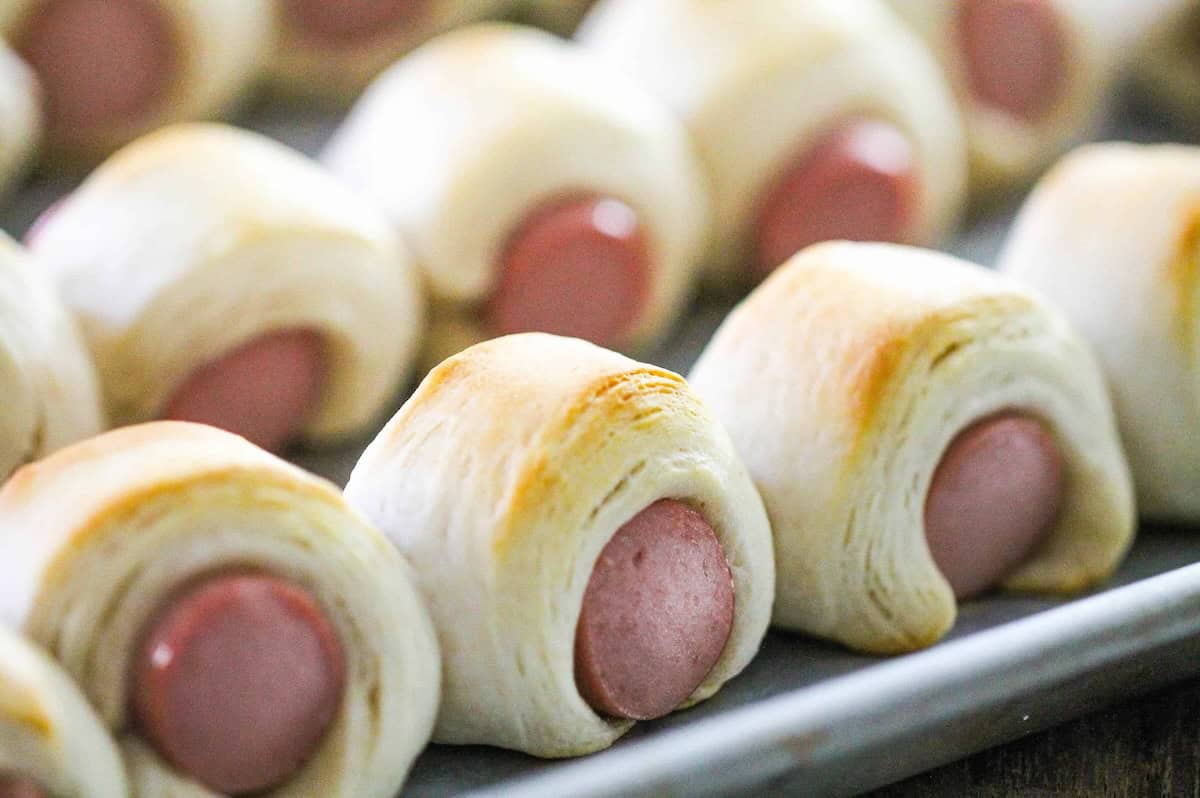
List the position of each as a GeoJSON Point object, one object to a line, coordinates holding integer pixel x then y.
{"type": "Point", "coordinates": [1148, 746]}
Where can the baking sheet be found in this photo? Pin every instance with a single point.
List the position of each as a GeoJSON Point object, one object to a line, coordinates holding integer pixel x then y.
{"type": "Point", "coordinates": [811, 718]}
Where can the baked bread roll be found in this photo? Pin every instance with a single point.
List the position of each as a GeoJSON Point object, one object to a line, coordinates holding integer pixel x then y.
{"type": "Point", "coordinates": [557, 16]}
{"type": "Point", "coordinates": [332, 50]}
{"type": "Point", "coordinates": [1112, 235]}
{"type": "Point", "coordinates": [111, 70]}
{"type": "Point", "coordinates": [221, 277]}
{"type": "Point", "coordinates": [815, 119]}
{"type": "Point", "coordinates": [920, 429]}
{"type": "Point", "coordinates": [236, 625]}
{"type": "Point", "coordinates": [539, 191]}
{"type": "Point", "coordinates": [1031, 76]}
{"type": "Point", "coordinates": [51, 742]}
{"type": "Point", "coordinates": [591, 548]}
{"type": "Point", "coordinates": [50, 392]}
{"type": "Point", "coordinates": [1168, 66]}
{"type": "Point", "coordinates": [20, 117]}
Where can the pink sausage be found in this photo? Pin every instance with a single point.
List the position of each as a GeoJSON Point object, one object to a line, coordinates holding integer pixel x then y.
{"type": "Point", "coordinates": [17, 787]}
{"type": "Point", "coordinates": [101, 63]}
{"type": "Point", "coordinates": [578, 267]}
{"type": "Point", "coordinates": [656, 614]}
{"type": "Point", "coordinates": [237, 680]}
{"type": "Point", "coordinates": [264, 390]}
{"type": "Point", "coordinates": [857, 183]}
{"type": "Point", "coordinates": [995, 496]}
{"type": "Point", "coordinates": [347, 22]}
{"type": "Point", "coordinates": [1014, 53]}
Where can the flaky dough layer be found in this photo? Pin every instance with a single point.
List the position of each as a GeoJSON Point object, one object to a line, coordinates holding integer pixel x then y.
{"type": "Point", "coordinates": [465, 137]}
{"type": "Point", "coordinates": [223, 48]}
{"type": "Point", "coordinates": [503, 478]}
{"type": "Point", "coordinates": [755, 80]}
{"type": "Point", "coordinates": [48, 731]}
{"type": "Point", "coordinates": [123, 520]}
{"type": "Point", "coordinates": [50, 391]}
{"type": "Point", "coordinates": [1112, 235]}
{"type": "Point", "coordinates": [199, 238]}
{"type": "Point", "coordinates": [843, 379]}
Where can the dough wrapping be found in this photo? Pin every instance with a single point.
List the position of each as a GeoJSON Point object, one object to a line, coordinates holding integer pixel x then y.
{"type": "Point", "coordinates": [1006, 151]}
{"type": "Point", "coordinates": [51, 396]}
{"type": "Point", "coordinates": [201, 237]}
{"type": "Point", "coordinates": [757, 80]}
{"type": "Point", "coordinates": [48, 731]}
{"type": "Point", "coordinates": [502, 479]}
{"type": "Point", "coordinates": [126, 518]}
{"type": "Point", "coordinates": [1112, 235]}
{"type": "Point", "coordinates": [459, 141]}
{"type": "Point", "coordinates": [223, 46]}
{"type": "Point", "coordinates": [844, 377]}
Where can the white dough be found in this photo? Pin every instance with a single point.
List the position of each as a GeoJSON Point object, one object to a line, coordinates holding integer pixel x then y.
{"type": "Point", "coordinates": [465, 137]}
{"type": "Point", "coordinates": [199, 238]}
{"type": "Point", "coordinates": [48, 732]}
{"type": "Point", "coordinates": [1099, 36]}
{"type": "Point", "coordinates": [123, 520]}
{"type": "Point", "coordinates": [503, 478]}
{"type": "Point", "coordinates": [223, 46]}
{"type": "Point", "coordinates": [1112, 235]}
{"type": "Point", "coordinates": [844, 377]}
{"type": "Point", "coordinates": [51, 396]}
{"type": "Point", "coordinates": [756, 81]}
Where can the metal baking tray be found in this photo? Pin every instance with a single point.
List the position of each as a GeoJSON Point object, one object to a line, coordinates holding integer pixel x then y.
{"type": "Point", "coordinates": [811, 718]}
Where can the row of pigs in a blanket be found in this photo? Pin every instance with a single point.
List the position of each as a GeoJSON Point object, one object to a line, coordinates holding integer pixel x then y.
{"type": "Point", "coordinates": [550, 541]}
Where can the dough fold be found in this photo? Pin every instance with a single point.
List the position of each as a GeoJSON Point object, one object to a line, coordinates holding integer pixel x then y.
{"type": "Point", "coordinates": [50, 392]}
{"type": "Point", "coordinates": [1099, 36]}
{"type": "Point", "coordinates": [844, 378]}
{"type": "Point", "coordinates": [125, 519]}
{"type": "Point", "coordinates": [502, 479]}
{"type": "Point", "coordinates": [48, 732]}
{"type": "Point", "coordinates": [758, 81]}
{"type": "Point", "coordinates": [222, 46]}
{"type": "Point", "coordinates": [199, 238]}
{"type": "Point", "coordinates": [1112, 235]}
{"type": "Point", "coordinates": [464, 138]}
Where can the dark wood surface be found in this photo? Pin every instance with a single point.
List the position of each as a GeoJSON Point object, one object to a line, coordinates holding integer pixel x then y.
{"type": "Point", "coordinates": [1147, 746]}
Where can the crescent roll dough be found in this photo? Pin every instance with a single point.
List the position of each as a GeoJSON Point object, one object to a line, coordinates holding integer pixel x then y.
{"type": "Point", "coordinates": [756, 81]}
{"type": "Point", "coordinates": [50, 393]}
{"type": "Point", "coordinates": [220, 48]}
{"type": "Point", "coordinates": [460, 141]}
{"type": "Point", "coordinates": [1168, 66]}
{"type": "Point", "coordinates": [1097, 36]}
{"type": "Point", "coordinates": [501, 480]}
{"type": "Point", "coordinates": [20, 117]}
{"type": "Point", "coordinates": [124, 519]}
{"type": "Point", "coordinates": [1112, 234]}
{"type": "Point", "coordinates": [48, 732]}
{"type": "Point", "coordinates": [844, 377]}
{"type": "Point", "coordinates": [337, 71]}
{"type": "Point", "coordinates": [198, 238]}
